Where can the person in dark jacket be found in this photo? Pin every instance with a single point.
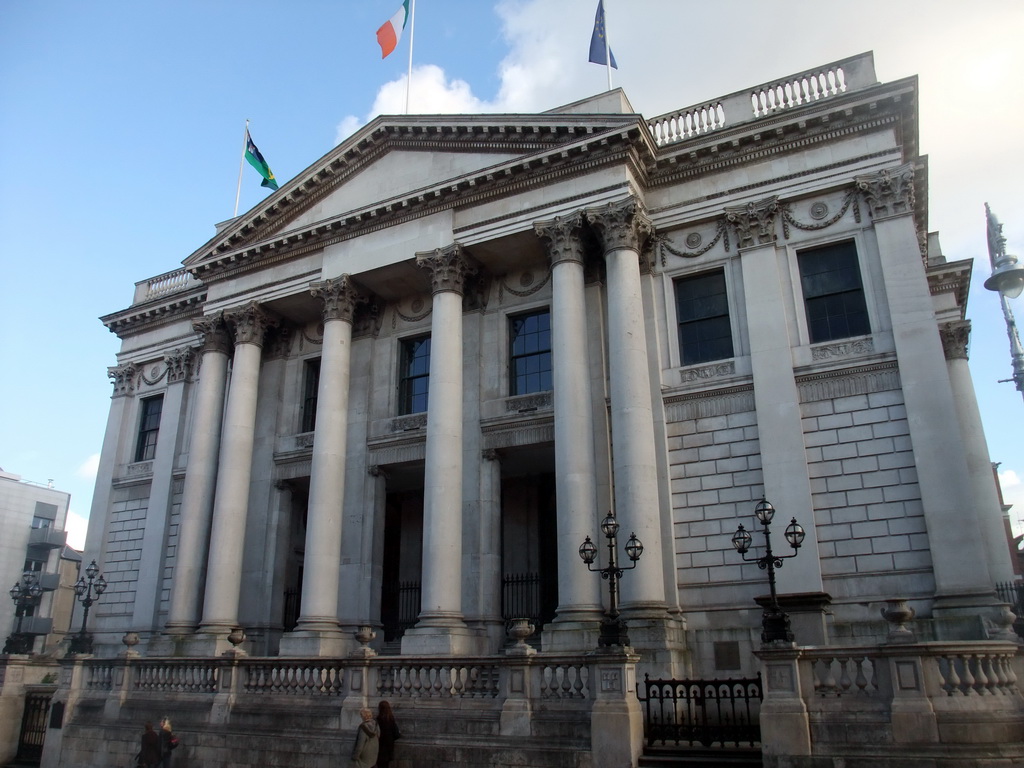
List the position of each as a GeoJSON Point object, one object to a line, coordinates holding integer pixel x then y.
{"type": "Point", "coordinates": [167, 742]}
{"type": "Point", "coordinates": [149, 755]}
{"type": "Point", "coordinates": [388, 734]}
{"type": "Point", "coordinates": [364, 751]}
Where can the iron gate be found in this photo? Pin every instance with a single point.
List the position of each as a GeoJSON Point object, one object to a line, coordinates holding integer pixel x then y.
{"type": "Point", "coordinates": [33, 727]}
{"type": "Point", "coordinates": [704, 713]}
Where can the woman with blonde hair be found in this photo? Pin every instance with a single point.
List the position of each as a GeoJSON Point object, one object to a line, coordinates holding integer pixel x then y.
{"type": "Point", "coordinates": [168, 741]}
{"type": "Point", "coordinates": [364, 751]}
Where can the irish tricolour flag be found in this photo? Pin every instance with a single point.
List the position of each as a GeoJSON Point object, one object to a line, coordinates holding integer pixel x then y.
{"type": "Point", "coordinates": [390, 33]}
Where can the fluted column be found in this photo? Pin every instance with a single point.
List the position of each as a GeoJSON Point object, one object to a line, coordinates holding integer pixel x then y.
{"type": "Point", "coordinates": [441, 629]}
{"type": "Point", "coordinates": [579, 598]}
{"type": "Point", "coordinates": [318, 631]}
{"type": "Point", "coordinates": [624, 228]}
{"type": "Point", "coordinates": [955, 337]}
{"type": "Point", "coordinates": [234, 472]}
{"type": "Point", "coordinates": [200, 477]}
{"type": "Point", "coordinates": [962, 579]}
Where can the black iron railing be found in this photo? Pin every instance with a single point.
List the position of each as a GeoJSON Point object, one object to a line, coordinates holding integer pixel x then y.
{"type": "Point", "coordinates": [290, 619]}
{"type": "Point", "coordinates": [520, 597]}
{"type": "Point", "coordinates": [725, 712]}
{"type": "Point", "coordinates": [1012, 593]}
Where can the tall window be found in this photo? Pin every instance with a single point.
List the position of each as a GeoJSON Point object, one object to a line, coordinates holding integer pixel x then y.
{"type": "Point", "coordinates": [702, 309]}
{"type": "Point", "coordinates": [310, 388]}
{"type": "Point", "coordinates": [414, 375]}
{"type": "Point", "coordinates": [833, 293]}
{"type": "Point", "coordinates": [149, 425]}
{"type": "Point", "coordinates": [529, 353]}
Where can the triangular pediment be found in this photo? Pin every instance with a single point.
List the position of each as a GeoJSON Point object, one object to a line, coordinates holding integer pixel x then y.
{"type": "Point", "coordinates": [399, 166]}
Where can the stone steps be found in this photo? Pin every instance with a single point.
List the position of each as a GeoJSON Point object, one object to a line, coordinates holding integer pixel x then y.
{"type": "Point", "coordinates": [685, 757]}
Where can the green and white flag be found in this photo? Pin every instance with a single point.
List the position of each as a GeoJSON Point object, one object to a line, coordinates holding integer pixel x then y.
{"type": "Point", "coordinates": [255, 158]}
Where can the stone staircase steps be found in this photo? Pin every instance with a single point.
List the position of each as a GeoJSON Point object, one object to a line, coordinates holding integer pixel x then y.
{"type": "Point", "coordinates": [684, 757]}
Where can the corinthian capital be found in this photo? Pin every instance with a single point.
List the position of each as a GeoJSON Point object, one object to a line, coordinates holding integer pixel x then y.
{"type": "Point", "coordinates": [754, 223]}
{"type": "Point", "coordinates": [214, 333]}
{"type": "Point", "coordinates": [124, 378]}
{"type": "Point", "coordinates": [956, 337]}
{"type": "Point", "coordinates": [561, 236]}
{"type": "Point", "coordinates": [180, 364]}
{"type": "Point", "coordinates": [250, 323]}
{"type": "Point", "coordinates": [448, 268]}
{"type": "Point", "coordinates": [621, 225]}
{"type": "Point", "coordinates": [890, 192]}
{"type": "Point", "coordinates": [340, 296]}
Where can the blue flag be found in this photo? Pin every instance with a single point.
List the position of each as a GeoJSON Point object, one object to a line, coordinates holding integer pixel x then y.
{"type": "Point", "coordinates": [597, 40]}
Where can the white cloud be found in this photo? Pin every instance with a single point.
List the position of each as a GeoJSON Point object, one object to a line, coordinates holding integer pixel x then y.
{"type": "Point", "coordinates": [89, 467]}
{"type": "Point", "coordinates": [76, 527]}
{"type": "Point", "coordinates": [1008, 478]}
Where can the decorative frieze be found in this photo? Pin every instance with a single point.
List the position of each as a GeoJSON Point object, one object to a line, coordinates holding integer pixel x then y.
{"type": "Point", "coordinates": [694, 242]}
{"type": "Point", "coordinates": [305, 440]}
{"type": "Point", "coordinates": [139, 469]}
{"type": "Point", "coordinates": [541, 430]}
{"type": "Point", "coordinates": [621, 225]}
{"type": "Point", "coordinates": [251, 323]}
{"type": "Point", "coordinates": [704, 372]}
{"type": "Point", "coordinates": [890, 192]}
{"type": "Point", "coordinates": [181, 364]}
{"type": "Point", "coordinates": [405, 423]}
{"type": "Point", "coordinates": [848, 382]}
{"type": "Point", "coordinates": [448, 268]}
{"type": "Point", "coordinates": [214, 333]}
{"type": "Point", "coordinates": [709, 404]}
{"type": "Point", "coordinates": [532, 402]}
{"type": "Point", "coordinates": [561, 237]}
{"type": "Point", "coordinates": [123, 377]}
{"type": "Point", "coordinates": [818, 211]}
{"type": "Point", "coordinates": [843, 349]}
{"type": "Point", "coordinates": [956, 338]}
{"type": "Point", "coordinates": [754, 223]}
{"type": "Point", "coordinates": [156, 375]}
{"type": "Point", "coordinates": [529, 282]}
{"type": "Point", "coordinates": [340, 296]}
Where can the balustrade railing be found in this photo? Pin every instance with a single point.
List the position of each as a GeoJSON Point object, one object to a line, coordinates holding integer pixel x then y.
{"type": "Point", "coordinates": [161, 285]}
{"type": "Point", "coordinates": [977, 674]}
{"type": "Point", "coordinates": [446, 679]}
{"type": "Point", "coordinates": [180, 676]}
{"type": "Point", "coordinates": [565, 681]}
{"type": "Point", "coordinates": [845, 674]}
{"type": "Point", "coordinates": [296, 678]}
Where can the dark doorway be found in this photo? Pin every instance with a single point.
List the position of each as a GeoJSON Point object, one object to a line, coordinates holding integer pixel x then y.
{"type": "Point", "coordinates": [529, 548]}
{"type": "Point", "coordinates": [403, 555]}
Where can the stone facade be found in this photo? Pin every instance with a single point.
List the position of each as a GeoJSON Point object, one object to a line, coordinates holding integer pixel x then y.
{"type": "Point", "coordinates": [401, 392]}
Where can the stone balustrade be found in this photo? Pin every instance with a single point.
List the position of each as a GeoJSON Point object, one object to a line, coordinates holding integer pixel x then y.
{"type": "Point", "coordinates": [764, 100]}
{"type": "Point", "coordinates": [161, 285]}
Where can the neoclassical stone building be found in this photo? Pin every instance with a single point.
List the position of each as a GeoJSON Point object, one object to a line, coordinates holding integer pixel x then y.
{"type": "Point", "coordinates": [403, 390]}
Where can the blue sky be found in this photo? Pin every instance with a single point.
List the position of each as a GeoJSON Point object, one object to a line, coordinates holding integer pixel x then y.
{"type": "Point", "coordinates": [121, 129]}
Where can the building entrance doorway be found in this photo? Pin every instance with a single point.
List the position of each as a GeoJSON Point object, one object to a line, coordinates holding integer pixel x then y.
{"type": "Point", "coordinates": [402, 563]}
{"type": "Point", "coordinates": [529, 549]}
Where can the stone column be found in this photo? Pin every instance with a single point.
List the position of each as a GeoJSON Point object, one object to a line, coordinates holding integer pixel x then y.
{"type": "Point", "coordinates": [777, 403]}
{"type": "Point", "coordinates": [200, 477]}
{"type": "Point", "coordinates": [960, 565]}
{"type": "Point", "coordinates": [441, 629]}
{"type": "Point", "coordinates": [178, 370]}
{"type": "Point", "coordinates": [318, 632]}
{"type": "Point", "coordinates": [624, 228]}
{"type": "Point", "coordinates": [579, 600]}
{"type": "Point", "coordinates": [234, 472]}
{"type": "Point", "coordinates": [487, 570]}
{"type": "Point", "coordinates": [983, 492]}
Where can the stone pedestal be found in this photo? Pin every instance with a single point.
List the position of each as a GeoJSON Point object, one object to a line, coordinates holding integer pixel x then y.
{"type": "Point", "coordinates": [616, 721]}
{"type": "Point", "coordinates": [785, 728]}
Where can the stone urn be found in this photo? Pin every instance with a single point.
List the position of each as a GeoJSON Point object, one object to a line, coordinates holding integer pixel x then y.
{"type": "Point", "coordinates": [519, 630]}
{"type": "Point", "coordinates": [898, 614]}
{"type": "Point", "coordinates": [236, 637]}
{"type": "Point", "coordinates": [365, 636]}
{"type": "Point", "coordinates": [130, 640]}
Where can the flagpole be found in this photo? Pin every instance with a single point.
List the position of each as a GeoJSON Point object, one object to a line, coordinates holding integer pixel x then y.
{"type": "Point", "coordinates": [241, 164]}
{"type": "Point", "coordinates": [607, 50]}
{"type": "Point", "coordinates": [412, 38]}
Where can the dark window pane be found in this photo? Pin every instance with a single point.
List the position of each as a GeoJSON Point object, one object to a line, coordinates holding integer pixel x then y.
{"type": "Point", "coordinates": [311, 388]}
{"type": "Point", "coordinates": [414, 375]}
{"type": "Point", "coordinates": [833, 292]}
{"type": "Point", "coordinates": [702, 307]}
{"type": "Point", "coordinates": [530, 353]}
{"type": "Point", "coordinates": [149, 426]}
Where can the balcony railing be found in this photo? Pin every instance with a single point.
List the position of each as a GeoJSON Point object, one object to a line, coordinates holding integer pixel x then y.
{"type": "Point", "coordinates": [50, 538]}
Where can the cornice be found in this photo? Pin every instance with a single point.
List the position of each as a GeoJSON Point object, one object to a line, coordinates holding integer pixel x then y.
{"type": "Point", "coordinates": [951, 277]}
{"type": "Point", "coordinates": [165, 309]}
{"type": "Point", "coordinates": [254, 239]}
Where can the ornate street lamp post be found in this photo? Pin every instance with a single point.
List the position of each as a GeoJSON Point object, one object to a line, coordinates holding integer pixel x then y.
{"type": "Point", "coordinates": [24, 593]}
{"type": "Point", "coordinates": [774, 621]}
{"type": "Point", "coordinates": [613, 629]}
{"type": "Point", "coordinates": [1008, 281]}
{"type": "Point", "coordinates": [87, 593]}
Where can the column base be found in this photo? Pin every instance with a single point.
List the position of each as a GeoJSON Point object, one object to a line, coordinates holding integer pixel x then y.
{"type": "Point", "coordinates": [571, 636]}
{"type": "Point", "coordinates": [660, 640]}
{"type": "Point", "coordinates": [310, 642]}
{"type": "Point", "coordinates": [438, 637]}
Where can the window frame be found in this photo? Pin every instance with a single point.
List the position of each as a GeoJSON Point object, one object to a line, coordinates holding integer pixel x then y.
{"type": "Point", "coordinates": [854, 249]}
{"type": "Point", "coordinates": [148, 433]}
{"type": "Point", "coordinates": [726, 313]}
{"type": "Point", "coordinates": [310, 393]}
{"type": "Point", "coordinates": [544, 375]}
{"type": "Point", "coordinates": [408, 399]}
